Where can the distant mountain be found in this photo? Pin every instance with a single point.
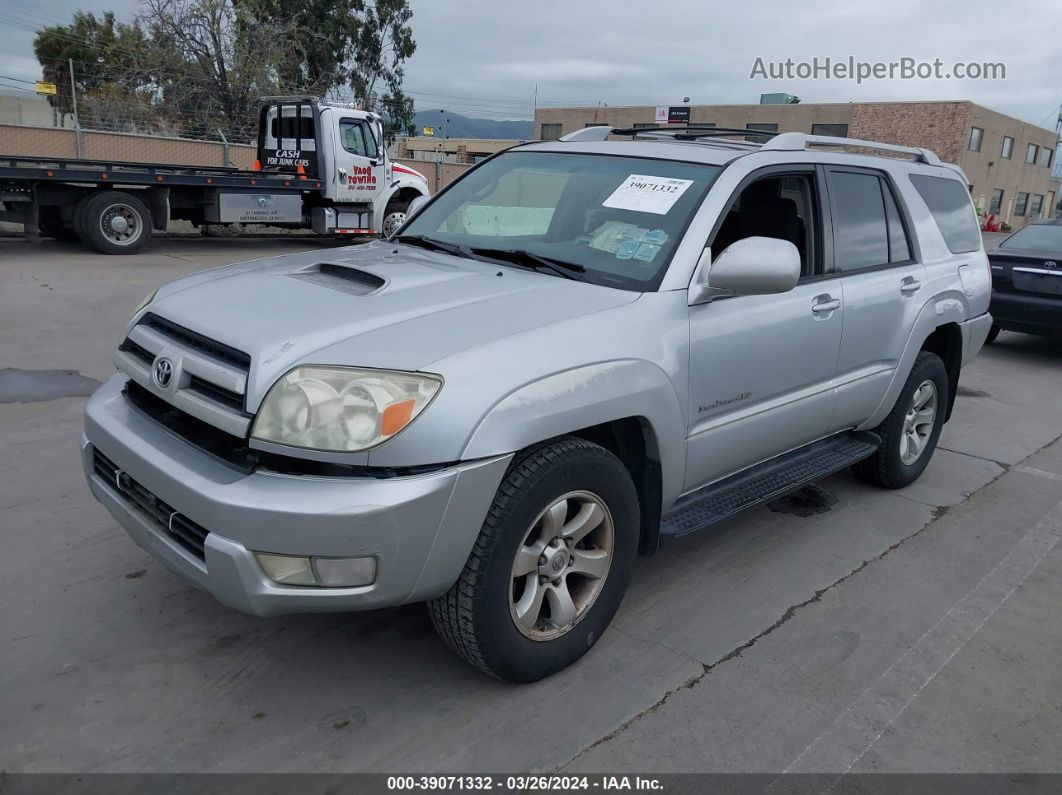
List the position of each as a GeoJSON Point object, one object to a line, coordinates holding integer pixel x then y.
{"type": "Point", "coordinates": [454, 125]}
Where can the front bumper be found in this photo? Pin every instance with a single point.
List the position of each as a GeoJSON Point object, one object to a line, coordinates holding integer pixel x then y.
{"type": "Point", "coordinates": [1025, 312]}
{"type": "Point", "coordinates": [419, 528]}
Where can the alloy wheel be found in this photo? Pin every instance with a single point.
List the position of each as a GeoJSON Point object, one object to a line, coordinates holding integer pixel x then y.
{"type": "Point", "coordinates": [561, 565]}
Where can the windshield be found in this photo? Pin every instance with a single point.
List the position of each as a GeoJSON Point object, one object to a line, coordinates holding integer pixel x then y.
{"type": "Point", "coordinates": [617, 218]}
{"type": "Point", "coordinates": [1038, 237]}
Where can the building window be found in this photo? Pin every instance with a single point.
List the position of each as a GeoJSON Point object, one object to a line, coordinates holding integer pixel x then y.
{"type": "Point", "coordinates": [835, 130]}
{"type": "Point", "coordinates": [1021, 202]}
{"type": "Point", "coordinates": [974, 144]}
{"type": "Point", "coordinates": [1037, 205]}
{"type": "Point", "coordinates": [765, 126]}
{"type": "Point", "coordinates": [1050, 213]}
{"type": "Point", "coordinates": [550, 132]}
{"type": "Point", "coordinates": [997, 201]}
{"type": "Point", "coordinates": [1008, 148]}
{"type": "Point", "coordinates": [1031, 153]}
{"type": "Point", "coordinates": [595, 124]}
{"type": "Point", "coordinates": [1045, 157]}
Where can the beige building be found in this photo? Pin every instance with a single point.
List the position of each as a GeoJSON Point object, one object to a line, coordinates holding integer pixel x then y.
{"type": "Point", "coordinates": [1007, 161]}
{"type": "Point", "coordinates": [449, 150]}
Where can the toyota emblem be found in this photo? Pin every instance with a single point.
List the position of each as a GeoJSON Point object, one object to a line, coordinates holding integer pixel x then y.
{"type": "Point", "coordinates": [163, 372]}
{"type": "Point", "coordinates": [1050, 264]}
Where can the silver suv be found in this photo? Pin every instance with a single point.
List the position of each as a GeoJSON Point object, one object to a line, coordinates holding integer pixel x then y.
{"type": "Point", "coordinates": [575, 353]}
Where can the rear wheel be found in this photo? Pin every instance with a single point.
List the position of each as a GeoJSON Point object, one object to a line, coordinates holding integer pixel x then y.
{"type": "Point", "coordinates": [115, 222]}
{"type": "Point", "coordinates": [992, 334]}
{"type": "Point", "coordinates": [909, 434]}
{"type": "Point", "coordinates": [550, 566]}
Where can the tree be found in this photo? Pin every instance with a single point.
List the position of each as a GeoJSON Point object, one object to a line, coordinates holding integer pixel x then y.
{"type": "Point", "coordinates": [98, 49]}
{"type": "Point", "coordinates": [198, 66]}
{"type": "Point", "coordinates": [384, 41]}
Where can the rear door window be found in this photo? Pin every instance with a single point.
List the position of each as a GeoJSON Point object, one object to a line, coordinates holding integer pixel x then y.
{"type": "Point", "coordinates": [949, 203]}
{"type": "Point", "coordinates": [860, 228]}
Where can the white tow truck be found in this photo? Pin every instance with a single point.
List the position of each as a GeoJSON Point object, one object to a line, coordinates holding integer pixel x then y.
{"type": "Point", "coordinates": [319, 165]}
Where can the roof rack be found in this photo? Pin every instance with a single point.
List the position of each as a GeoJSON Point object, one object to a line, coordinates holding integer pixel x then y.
{"type": "Point", "coordinates": [791, 141]}
{"type": "Point", "coordinates": [684, 132]}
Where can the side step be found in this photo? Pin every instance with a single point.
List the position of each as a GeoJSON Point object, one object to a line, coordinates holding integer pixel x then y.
{"type": "Point", "coordinates": [766, 481]}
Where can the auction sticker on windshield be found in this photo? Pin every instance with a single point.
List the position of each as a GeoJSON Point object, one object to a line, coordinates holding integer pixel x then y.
{"type": "Point", "coordinates": [645, 194]}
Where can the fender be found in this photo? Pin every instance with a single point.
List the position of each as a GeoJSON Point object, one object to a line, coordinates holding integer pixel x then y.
{"type": "Point", "coordinates": [946, 307]}
{"type": "Point", "coordinates": [583, 397]}
{"type": "Point", "coordinates": [407, 180]}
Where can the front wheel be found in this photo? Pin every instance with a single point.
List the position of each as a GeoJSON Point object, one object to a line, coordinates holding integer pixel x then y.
{"type": "Point", "coordinates": [550, 566]}
{"type": "Point", "coordinates": [394, 217]}
{"type": "Point", "coordinates": [992, 334]}
{"type": "Point", "coordinates": [909, 434]}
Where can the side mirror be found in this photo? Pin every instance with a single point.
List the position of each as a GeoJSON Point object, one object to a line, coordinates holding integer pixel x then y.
{"type": "Point", "coordinates": [752, 266]}
{"type": "Point", "coordinates": [415, 205]}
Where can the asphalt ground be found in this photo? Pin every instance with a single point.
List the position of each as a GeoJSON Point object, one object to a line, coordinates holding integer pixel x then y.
{"type": "Point", "coordinates": [851, 629]}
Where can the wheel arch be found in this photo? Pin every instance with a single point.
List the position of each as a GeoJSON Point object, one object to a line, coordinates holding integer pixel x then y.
{"type": "Point", "coordinates": [946, 342]}
{"type": "Point", "coordinates": [628, 407]}
{"type": "Point", "coordinates": [937, 326]}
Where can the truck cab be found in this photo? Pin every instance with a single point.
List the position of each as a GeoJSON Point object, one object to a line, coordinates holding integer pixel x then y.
{"type": "Point", "coordinates": [363, 191]}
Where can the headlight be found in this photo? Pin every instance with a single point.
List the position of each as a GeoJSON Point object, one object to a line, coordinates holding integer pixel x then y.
{"type": "Point", "coordinates": [342, 408]}
{"type": "Point", "coordinates": [146, 300]}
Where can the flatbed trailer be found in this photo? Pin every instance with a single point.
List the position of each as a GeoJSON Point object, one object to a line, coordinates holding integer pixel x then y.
{"type": "Point", "coordinates": [320, 166]}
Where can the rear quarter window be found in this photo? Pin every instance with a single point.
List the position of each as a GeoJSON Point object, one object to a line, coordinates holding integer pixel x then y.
{"type": "Point", "coordinates": [949, 203]}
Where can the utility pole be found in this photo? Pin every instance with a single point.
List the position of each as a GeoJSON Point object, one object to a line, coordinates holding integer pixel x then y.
{"type": "Point", "coordinates": [73, 102]}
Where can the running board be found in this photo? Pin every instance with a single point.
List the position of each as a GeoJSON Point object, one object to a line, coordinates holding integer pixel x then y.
{"type": "Point", "coordinates": [766, 482]}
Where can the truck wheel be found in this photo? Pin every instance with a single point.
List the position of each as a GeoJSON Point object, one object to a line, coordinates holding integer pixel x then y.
{"type": "Point", "coordinates": [992, 334]}
{"type": "Point", "coordinates": [909, 434]}
{"type": "Point", "coordinates": [115, 222]}
{"type": "Point", "coordinates": [394, 217]}
{"type": "Point", "coordinates": [550, 566]}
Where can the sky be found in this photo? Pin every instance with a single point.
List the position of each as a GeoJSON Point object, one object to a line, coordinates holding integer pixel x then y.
{"type": "Point", "coordinates": [486, 57]}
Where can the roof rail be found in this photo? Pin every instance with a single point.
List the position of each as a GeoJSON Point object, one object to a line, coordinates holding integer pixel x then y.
{"type": "Point", "coordinates": [691, 132]}
{"type": "Point", "coordinates": [798, 141]}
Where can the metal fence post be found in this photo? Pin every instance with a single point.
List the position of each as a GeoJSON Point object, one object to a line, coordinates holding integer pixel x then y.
{"type": "Point", "coordinates": [225, 150]}
{"type": "Point", "coordinates": [73, 101]}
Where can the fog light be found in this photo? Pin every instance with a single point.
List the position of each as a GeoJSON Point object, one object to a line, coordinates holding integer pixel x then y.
{"type": "Point", "coordinates": [345, 572]}
{"type": "Point", "coordinates": [322, 572]}
{"type": "Point", "coordinates": [287, 569]}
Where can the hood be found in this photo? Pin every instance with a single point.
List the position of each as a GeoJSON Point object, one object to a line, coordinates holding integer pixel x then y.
{"type": "Point", "coordinates": [378, 305]}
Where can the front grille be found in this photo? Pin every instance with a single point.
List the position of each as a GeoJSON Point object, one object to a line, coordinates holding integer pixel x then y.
{"type": "Point", "coordinates": [130, 347]}
{"type": "Point", "coordinates": [176, 526]}
{"type": "Point", "coordinates": [197, 341]}
{"type": "Point", "coordinates": [207, 379]}
{"type": "Point", "coordinates": [229, 449]}
{"type": "Point", "coordinates": [228, 398]}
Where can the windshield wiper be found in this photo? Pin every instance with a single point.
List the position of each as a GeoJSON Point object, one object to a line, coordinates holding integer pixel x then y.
{"type": "Point", "coordinates": [432, 244]}
{"type": "Point", "coordinates": [528, 260]}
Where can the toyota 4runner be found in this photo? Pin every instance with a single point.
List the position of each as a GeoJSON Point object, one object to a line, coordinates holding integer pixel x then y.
{"type": "Point", "coordinates": [578, 351]}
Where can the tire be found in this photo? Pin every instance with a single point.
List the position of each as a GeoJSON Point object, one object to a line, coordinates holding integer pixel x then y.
{"type": "Point", "coordinates": [890, 467]}
{"type": "Point", "coordinates": [394, 217]}
{"type": "Point", "coordinates": [114, 222]}
{"type": "Point", "coordinates": [992, 334]}
{"type": "Point", "coordinates": [478, 616]}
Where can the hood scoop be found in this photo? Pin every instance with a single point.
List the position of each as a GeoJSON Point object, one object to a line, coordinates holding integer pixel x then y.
{"type": "Point", "coordinates": [344, 278]}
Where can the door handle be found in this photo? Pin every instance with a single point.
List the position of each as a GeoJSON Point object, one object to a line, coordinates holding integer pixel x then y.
{"type": "Point", "coordinates": [342, 173]}
{"type": "Point", "coordinates": [910, 285]}
{"type": "Point", "coordinates": [827, 304]}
